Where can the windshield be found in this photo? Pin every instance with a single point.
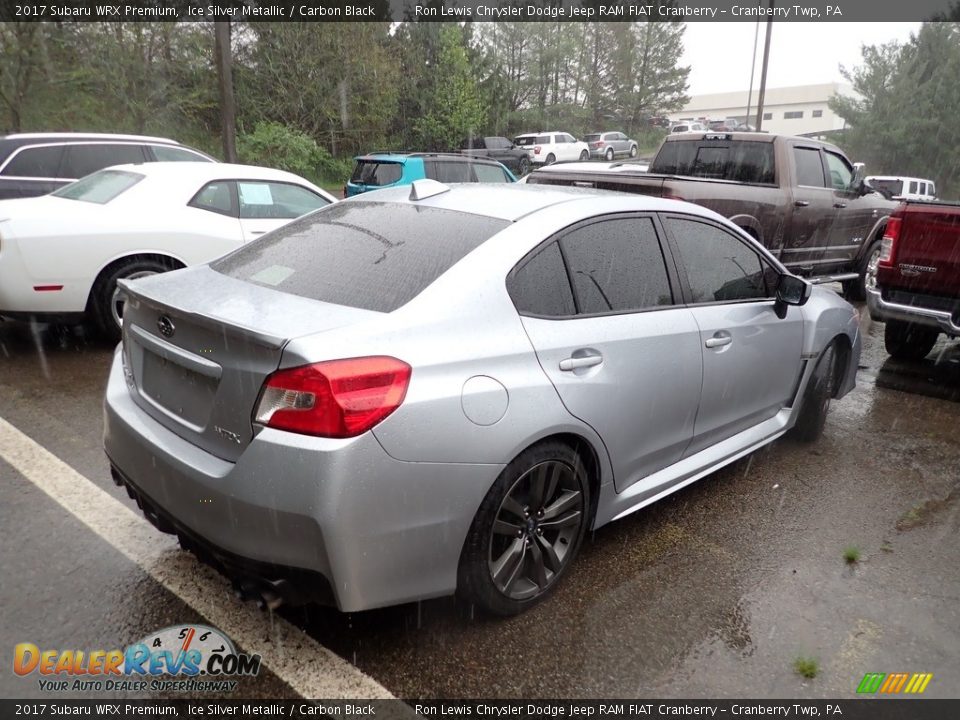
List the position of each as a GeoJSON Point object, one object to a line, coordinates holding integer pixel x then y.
{"type": "Point", "coordinates": [101, 187]}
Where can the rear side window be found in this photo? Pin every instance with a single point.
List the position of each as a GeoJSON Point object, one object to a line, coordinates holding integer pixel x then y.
{"type": "Point", "coordinates": [616, 266]}
{"type": "Point", "coordinates": [913, 187]}
{"type": "Point", "coordinates": [741, 161]}
{"type": "Point", "coordinates": [216, 196]}
{"type": "Point", "coordinates": [101, 187]}
{"type": "Point", "coordinates": [540, 285]}
{"type": "Point", "coordinates": [165, 153]}
{"type": "Point", "coordinates": [81, 160]}
{"type": "Point", "coordinates": [38, 162]}
{"type": "Point", "coordinates": [375, 256]}
{"type": "Point", "coordinates": [809, 167]}
{"type": "Point", "coordinates": [376, 173]}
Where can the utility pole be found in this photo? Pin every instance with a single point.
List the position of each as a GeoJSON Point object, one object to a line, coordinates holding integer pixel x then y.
{"type": "Point", "coordinates": [763, 71]}
{"type": "Point", "coordinates": [753, 67]}
{"type": "Point", "coordinates": [228, 110]}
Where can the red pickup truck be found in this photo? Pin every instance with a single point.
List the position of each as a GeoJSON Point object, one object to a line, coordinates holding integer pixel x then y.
{"type": "Point", "coordinates": [915, 285]}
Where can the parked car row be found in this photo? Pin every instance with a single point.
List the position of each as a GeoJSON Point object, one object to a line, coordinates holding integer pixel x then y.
{"type": "Point", "coordinates": [457, 376]}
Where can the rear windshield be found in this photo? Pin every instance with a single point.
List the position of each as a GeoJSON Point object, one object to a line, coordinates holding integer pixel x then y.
{"type": "Point", "coordinates": [593, 137]}
{"type": "Point", "coordinates": [740, 160]}
{"type": "Point", "coordinates": [892, 187]}
{"type": "Point", "coordinates": [101, 187]}
{"type": "Point", "coordinates": [377, 173]}
{"type": "Point", "coordinates": [375, 256]}
{"type": "Point", "coordinates": [528, 140]}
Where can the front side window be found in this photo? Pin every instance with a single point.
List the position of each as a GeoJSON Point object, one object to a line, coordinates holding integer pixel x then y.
{"type": "Point", "coordinates": [81, 160]}
{"type": "Point", "coordinates": [841, 174]}
{"type": "Point", "coordinates": [490, 173]}
{"type": "Point", "coordinates": [37, 162]}
{"type": "Point", "coordinates": [276, 200]}
{"type": "Point", "coordinates": [540, 285]}
{"type": "Point", "coordinates": [719, 267]}
{"type": "Point", "coordinates": [217, 197]}
{"type": "Point", "coordinates": [616, 266]}
{"type": "Point", "coordinates": [101, 187]}
{"type": "Point", "coordinates": [809, 167]}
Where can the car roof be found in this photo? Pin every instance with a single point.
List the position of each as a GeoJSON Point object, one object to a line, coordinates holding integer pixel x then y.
{"type": "Point", "coordinates": [401, 156]}
{"type": "Point", "coordinates": [87, 136]}
{"type": "Point", "coordinates": [209, 171]}
{"type": "Point", "coordinates": [512, 201]}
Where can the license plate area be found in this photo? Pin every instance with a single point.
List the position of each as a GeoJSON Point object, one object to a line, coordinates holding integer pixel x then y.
{"type": "Point", "coordinates": [179, 391]}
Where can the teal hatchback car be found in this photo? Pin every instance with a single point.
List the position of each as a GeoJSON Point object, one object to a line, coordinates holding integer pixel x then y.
{"type": "Point", "coordinates": [389, 169]}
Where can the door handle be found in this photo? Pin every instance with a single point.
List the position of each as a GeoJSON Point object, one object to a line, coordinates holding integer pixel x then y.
{"type": "Point", "coordinates": [574, 363]}
{"type": "Point", "coordinates": [718, 341]}
{"type": "Point", "coordinates": [800, 203]}
{"type": "Point", "coordinates": [839, 205]}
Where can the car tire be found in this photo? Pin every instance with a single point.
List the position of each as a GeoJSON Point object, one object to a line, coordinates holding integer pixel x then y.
{"type": "Point", "coordinates": [551, 159]}
{"type": "Point", "coordinates": [584, 155]}
{"type": "Point", "coordinates": [816, 397]}
{"type": "Point", "coordinates": [106, 304]}
{"type": "Point", "coordinates": [523, 167]}
{"type": "Point", "coordinates": [856, 290]}
{"type": "Point", "coordinates": [633, 151]}
{"type": "Point", "coordinates": [511, 560]}
{"type": "Point", "coordinates": [609, 155]}
{"type": "Point", "coordinates": [908, 341]}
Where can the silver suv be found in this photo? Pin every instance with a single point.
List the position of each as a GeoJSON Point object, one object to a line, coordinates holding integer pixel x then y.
{"type": "Point", "coordinates": [34, 164]}
{"type": "Point", "coordinates": [609, 145]}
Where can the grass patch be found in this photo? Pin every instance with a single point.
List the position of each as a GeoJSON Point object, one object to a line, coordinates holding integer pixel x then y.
{"type": "Point", "coordinates": [851, 554]}
{"type": "Point", "coordinates": [806, 667]}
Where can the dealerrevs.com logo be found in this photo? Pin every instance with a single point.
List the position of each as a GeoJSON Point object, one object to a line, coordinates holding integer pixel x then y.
{"type": "Point", "coordinates": [179, 658]}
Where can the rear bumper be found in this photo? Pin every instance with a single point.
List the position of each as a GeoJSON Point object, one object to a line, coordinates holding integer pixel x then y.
{"type": "Point", "coordinates": [882, 310]}
{"type": "Point", "coordinates": [599, 153]}
{"type": "Point", "coordinates": [378, 530]}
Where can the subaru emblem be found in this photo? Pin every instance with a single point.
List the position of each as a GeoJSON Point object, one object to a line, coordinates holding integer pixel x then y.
{"type": "Point", "coordinates": [165, 326]}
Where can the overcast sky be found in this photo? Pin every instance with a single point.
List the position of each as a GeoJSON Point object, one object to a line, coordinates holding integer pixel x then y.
{"type": "Point", "coordinates": [800, 53]}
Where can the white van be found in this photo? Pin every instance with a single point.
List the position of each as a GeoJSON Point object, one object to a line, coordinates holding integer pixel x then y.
{"type": "Point", "coordinates": [904, 188]}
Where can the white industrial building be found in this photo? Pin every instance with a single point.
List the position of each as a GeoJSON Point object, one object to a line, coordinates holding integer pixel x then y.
{"type": "Point", "coordinates": [798, 110]}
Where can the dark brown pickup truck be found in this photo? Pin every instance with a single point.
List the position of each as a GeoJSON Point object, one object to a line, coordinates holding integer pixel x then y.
{"type": "Point", "coordinates": [801, 198]}
{"type": "Point", "coordinates": [914, 286]}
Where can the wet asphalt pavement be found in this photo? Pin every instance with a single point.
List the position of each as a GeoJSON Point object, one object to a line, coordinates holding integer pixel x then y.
{"type": "Point", "coordinates": [713, 592]}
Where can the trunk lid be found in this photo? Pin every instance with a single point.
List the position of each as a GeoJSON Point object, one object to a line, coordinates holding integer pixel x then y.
{"type": "Point", "coordinates": [198, 346]}
{"type": "Point", "coordinates": [927, 256]}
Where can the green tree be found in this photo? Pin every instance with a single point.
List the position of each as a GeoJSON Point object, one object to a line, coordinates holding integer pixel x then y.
{"type": "Point", "coordinates": [905, 119]}
{"type": "Point", "coordinates": [452, 106]}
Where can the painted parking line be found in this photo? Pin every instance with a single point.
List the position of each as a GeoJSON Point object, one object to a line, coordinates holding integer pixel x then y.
{"type": "Point", "coordinates": [294, 657]}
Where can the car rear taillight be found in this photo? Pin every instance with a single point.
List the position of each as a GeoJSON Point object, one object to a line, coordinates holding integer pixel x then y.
{"type": "Point", "coordinates": [888, 246]}
{"type": "Point", "coordinates": [338, 398]}
{"type": "Point", "coordinates": [536, 150]}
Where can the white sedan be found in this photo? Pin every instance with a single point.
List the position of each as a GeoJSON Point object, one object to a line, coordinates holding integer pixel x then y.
{"type": "Point", "coordinates": [61, 255]}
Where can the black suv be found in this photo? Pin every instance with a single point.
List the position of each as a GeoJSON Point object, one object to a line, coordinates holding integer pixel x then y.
{"type": "Point", "coordinates": [39, 163]}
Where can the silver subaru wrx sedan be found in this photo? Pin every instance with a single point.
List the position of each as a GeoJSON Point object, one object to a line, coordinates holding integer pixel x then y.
{"type": "Point", "coordinates": [434, 389]}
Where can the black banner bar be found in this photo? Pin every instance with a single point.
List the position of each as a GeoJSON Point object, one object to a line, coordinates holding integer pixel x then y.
{"type": "Point", "coordinates": [479, 11]}
{"type": "Point", "coordinates": [847, 709]}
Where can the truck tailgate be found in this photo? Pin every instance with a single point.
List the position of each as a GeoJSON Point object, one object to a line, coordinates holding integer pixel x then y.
{"type": "Point", "coordinates": [927, 256]}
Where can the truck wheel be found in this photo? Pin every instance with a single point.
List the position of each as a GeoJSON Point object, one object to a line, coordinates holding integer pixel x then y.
{"type": "Point", "coordinates": [856, 290]}
{"type": "Point", "coordinates": [527, 530]}
{"type": "Point", "coordinates": [816, 398]}
{"type": "Point", "coordinates": [907, 341]}
{"type": "Point", "coordinates": [609, 154]}
{"type": "Point", "coordinates": [523, 167]}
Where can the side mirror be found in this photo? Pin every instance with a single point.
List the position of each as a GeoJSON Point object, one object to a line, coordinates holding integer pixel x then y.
{"type": "Point", "coordinates": [791, 290]}
{"type": "Point", "coordinates": [857, 183]}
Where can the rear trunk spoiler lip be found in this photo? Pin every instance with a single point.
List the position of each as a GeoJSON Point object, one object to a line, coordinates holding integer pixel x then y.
{"type": "Point", "coordinates": [272, 342]}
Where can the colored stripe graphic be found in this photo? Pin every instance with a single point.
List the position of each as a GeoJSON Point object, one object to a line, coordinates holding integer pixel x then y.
{"type": "Point", "coordinates": [894, 683]}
